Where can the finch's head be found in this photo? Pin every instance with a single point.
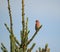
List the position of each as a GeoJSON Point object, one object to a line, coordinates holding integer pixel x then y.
{"type": "Point", "coordinates": [37, 20]}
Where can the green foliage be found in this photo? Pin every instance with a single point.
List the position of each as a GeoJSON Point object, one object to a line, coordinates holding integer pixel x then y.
{"type": "Point", "coordinates": [15, 45]}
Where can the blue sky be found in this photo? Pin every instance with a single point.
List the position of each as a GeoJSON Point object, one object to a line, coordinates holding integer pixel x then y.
{"type": "Point", "coordinates": [48, 13]}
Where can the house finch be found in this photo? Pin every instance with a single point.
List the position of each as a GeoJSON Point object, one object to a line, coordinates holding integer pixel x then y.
{"type": "Point", "coordinates": [37, 25]}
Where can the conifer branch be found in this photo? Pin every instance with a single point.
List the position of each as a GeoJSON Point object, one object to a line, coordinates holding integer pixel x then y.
{"type": "Point", "coordinates": [9, 9]}
{"type": "Point", "coordinates": [32, 46]}
{"type": "Point", "coordinates": [3, 48]}
{"type": "Point", "coordinates": [23, 22]}
{"type": "Point", "coordinates": [17, 41]}
{"type": "Point", "coordinates": [7, 28]}
{"type": "Point", "coordinates": [34, 35]}
{"type": "Point", "coordinates": [40, 50]}
{"type": "Point", "coordinates": [30, 49]}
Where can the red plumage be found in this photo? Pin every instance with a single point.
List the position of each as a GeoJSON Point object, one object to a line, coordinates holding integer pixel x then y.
{"type": "Point", "coordinates": [37, 25]}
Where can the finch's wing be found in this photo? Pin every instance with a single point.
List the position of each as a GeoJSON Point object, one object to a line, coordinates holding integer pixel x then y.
{"type": "Point", "coordinates": [36, 27]}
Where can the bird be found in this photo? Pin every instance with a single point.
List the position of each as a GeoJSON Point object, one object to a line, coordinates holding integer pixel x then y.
{"type": "Point", "coordinates": [37, 25]}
